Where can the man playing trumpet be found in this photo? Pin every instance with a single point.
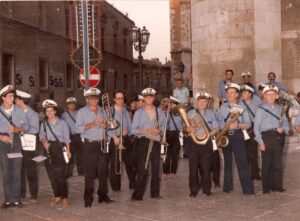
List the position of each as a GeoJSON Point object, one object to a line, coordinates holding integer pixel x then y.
{"type": "Point", "coordinates": [200, 154]}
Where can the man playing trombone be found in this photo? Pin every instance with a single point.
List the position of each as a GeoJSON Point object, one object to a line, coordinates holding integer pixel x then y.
{"type": "Point", "coordinates": [147, 125]}
{"type": "Point", "coordinates": [120, 145]}
{"type": "Point", "coordinates": [201, 146]}
{"type": "Point", "coordinates": [90, 123]}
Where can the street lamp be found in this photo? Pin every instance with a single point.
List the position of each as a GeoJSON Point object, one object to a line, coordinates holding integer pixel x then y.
{"type": "Point", "coordinates": [140, 39]}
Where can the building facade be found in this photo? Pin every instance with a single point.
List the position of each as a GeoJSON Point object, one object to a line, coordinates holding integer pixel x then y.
{"type": "Point", "coordinates": [155, 75]}
{"type": "Point", "coordinates": [258, 36]}
{"type": "Point", "coordinates": [35, 50]}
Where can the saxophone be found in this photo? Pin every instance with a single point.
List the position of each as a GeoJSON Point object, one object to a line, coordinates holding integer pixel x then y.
{"type": "Point", "coordinates": [222, 140]}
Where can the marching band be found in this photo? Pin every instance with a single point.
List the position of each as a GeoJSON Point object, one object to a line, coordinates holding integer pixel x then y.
{"type": "Point", "coordinates": [97, 139]}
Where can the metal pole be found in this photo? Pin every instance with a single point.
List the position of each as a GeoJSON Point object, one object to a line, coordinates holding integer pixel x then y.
{"type": "Point", "coordinates": [85, 39]}
{"type": "Point", "coordinates": [140, 58]}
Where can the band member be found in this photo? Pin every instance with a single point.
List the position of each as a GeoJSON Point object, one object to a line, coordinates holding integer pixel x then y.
{"type": "Point", "coordinates": [12, 122]}
{"type": "Point", "coordinates": [272, 81]}
{"type": "Point", "coordinates": [29, 167]}
{"type": "Point", "coordinates": [180, 92]}
{"type": "Point", "coordinates": [55, 137]}
{"type": "Point", "coordinates": [174, 125]}
{"type": "Point", "coordinates": [147, 125]}
{"type": "Point", "coordinates": [200, 154]}
{"type": "Point", "coordinates": [131, 108]}
{"type": "Point", "coordinates": [215, 163]}
{"type": "Point", "coordinates": [122, 116]}
{"type": "Point", "coordinates": [140, 102]}
{"type": "Point", "coordinates": [270, 126]}
{"type": "Point", "coordinates": [221, 87]}
{"type": "Point", "coordinates": [251, 102]}
{"type": "Point", "coordinates": [236, 145]}
{"type": "Point", "coordinates": [246, 75]}
{"type": "Point", "coordinates": [90, 123]}
{"type": "Point", "coordinates": [69, 116]}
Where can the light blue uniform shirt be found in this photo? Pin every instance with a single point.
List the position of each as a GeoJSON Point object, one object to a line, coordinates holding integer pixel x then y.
{"type": "Point", "coordinates": [280, 85]}
{"type": "Point", "coordinates": [297, 121]}
{"type": "Point", "coordinates": [265, 121]}
{"type": "Point", "coordinates": [126, 122]}
{"type": "Point", "coordinates": [86, 116]}
{"type": "Point", "coordinates": [70, 122]}
{"type": "Point", "coordinates": [60, 129]}
{"type": "Point", "coordinates": [18, 118]}
{"type": "Point", "coordinates": [182, 94]}
{"type": "Point", "coordinates": [253, 105]}
{"type": "Point", "coordinates": [177, 121]}
{"type": "Point", "coordinates": [141, 121]}
{"type": "Point", "coordinates": [33, 121]}
{"type": "Point", "coordinates": [224, 111]}
{"type": "Point", "coordinates": [210, 118]}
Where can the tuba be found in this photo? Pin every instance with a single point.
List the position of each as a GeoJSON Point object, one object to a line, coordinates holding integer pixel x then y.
{"type": "Point", "coordinates": [195, 121]}
{"type": "Point", "coordinates": [222, 140]}
{"type": "Point", "coordinates": [111, 122]}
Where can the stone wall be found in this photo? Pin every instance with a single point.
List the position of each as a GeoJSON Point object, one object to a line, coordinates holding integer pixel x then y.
{"type": "Point", "coordinates": [234, 34]}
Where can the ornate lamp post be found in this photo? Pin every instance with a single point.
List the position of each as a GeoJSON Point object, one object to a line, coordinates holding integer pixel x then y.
{"type": "Point", "coordinates": [140, 39]}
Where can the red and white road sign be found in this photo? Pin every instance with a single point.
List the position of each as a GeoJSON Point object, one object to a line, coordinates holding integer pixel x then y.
{"type": "Point", "coordinates": [94, 77]}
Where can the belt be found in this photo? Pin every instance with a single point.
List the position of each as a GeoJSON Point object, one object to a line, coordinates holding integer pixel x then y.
{"type": "Point", "coordinates": [92, 141]}
{"type": "Point", "coordinates": [233, 132]}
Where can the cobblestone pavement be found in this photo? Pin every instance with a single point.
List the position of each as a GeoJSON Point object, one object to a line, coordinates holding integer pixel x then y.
{"type": "Point", "coordinates": [175, 205]}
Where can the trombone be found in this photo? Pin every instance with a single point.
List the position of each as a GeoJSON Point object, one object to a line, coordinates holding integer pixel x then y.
{"type": "Point", "coordinates": [111, 122]}
{"type": "Point", "coordinates": [165, 105]}
{"type": "Point", "coordinates": [119, 149]}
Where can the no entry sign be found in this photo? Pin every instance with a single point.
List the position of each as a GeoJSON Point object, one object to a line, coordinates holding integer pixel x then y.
{"type": "Point", "coordinates": [94, 77]}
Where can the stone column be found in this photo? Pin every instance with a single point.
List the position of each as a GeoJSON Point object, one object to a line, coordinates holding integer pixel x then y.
{"type": "Point", "coordinates": [234, 34]}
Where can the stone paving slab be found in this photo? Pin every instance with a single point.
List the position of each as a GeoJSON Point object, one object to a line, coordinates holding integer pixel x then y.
{"type": "Point", "coordinates": [176, 204]}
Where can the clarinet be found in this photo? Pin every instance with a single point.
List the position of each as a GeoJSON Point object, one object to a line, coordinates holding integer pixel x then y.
{"type": "Point", "coordinates": [47, 149]}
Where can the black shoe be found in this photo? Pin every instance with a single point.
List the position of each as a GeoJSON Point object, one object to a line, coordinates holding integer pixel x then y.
{"type": "Point", "coordinates": [156, 197]}
{"type": "Point", "coordinates": [280, 190]}
{"type": "Point", "coordinates": [193, 194]}
{"type": "Point", "coordinates": [226, 191]}
{"type": "Point", "coordinates": [208, 193]}
{"type": "Point", "coordinates": [5, 205]}
{"type": "Point", "coordinates": [87, 205]}
{"type": "Point", "coordinates": [136, 199]}
{"type": "Point", "coordinates": [107, 199]}
{"type": "Point", "coordinates": [266, 191]}
{"type": "Point", "coordinates": [17, 204]}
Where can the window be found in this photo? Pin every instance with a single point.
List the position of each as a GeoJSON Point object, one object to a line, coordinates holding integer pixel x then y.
{"type": "Point", "coordinates": [125, 47]}
{"type": "Point", "coordinates": [125, 81]}
{"type": "Point", "coordinates": [70, 76]}
{"type": "Point", "coordinates": [43, 73]}
{"type": "Point", "coordinates": [7, 69]}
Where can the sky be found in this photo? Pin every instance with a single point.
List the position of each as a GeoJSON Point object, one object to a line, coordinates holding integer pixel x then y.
{"type": "Point", "coordinates": [154, 14]}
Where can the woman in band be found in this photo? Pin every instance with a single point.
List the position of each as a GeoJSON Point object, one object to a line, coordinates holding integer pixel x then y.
{"type": "Point", "coordinates": [147, 125]}
{"type": "Point", "coordinates": [236, 145]}
{"type": "Point", "coordinates": [270, 126]}
{"type": "Point", "coordinates": [12, 122]}
{"type": "Point", "coordinates": [174, 125]}
{"type": "Point", "coordinates": [200, 155]}
{"type": "Point", "coordinates": [55, 137]}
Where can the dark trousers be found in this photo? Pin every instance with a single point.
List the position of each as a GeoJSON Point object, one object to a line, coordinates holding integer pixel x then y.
{"type": "Point", "coordinates": [199, 164]}
{"type": "Point", "coordinates": [57, 170]}
{"type": "Point", "coordinates": [216, 167]}
{"type": "Point", "coordinates": [237, 148]}
{"type": "Point", "coordinates": [76, 156]}
{"type": "Point", "coordinates": [272, 160]}
{"type": "Point", "coordinates": [115, 179]}
{"type": "Point", "coordinates": [252, 155]}
{"type": "Point", "coordinates": [29, 173]}
{"type": "Point", "coordinates": [95, 166]}
{"type": "Point", "coordinates": [11, 170]}
{"type": "Point", "coordinates": [172, 155]}
{"type": "Point", "coordinates": [142, 173]}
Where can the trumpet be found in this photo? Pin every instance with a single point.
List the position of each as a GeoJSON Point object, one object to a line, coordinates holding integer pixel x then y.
{"type": "Point", "coordinates": [111, 122]}
{"type": "Point", "coordinates": [119, 149]}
